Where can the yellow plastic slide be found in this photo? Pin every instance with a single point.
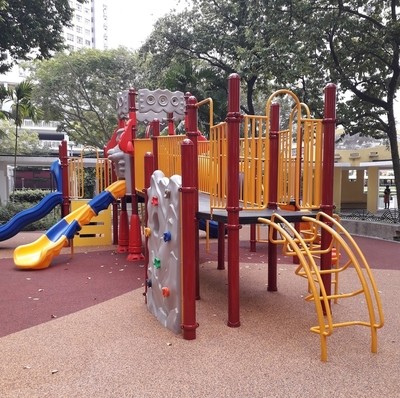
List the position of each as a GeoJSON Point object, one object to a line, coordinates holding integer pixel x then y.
{"type": "Point", "coordinates": [39, 254]}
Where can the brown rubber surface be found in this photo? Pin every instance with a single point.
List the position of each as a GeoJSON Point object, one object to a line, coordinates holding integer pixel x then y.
{"type": "Point", "coordinates": [94, 275]}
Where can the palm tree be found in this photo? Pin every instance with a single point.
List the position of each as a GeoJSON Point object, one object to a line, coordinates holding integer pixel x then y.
{"type": "Point", "coordinates": [22, 107]}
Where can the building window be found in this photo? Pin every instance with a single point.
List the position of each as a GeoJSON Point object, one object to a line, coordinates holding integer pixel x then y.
{"type": "Point", "coordinates": [79, 18]}
{"type": "Point", "coordinates": [79, 40]}
{"type": "Point", "coordinates": [87, 43]}
{"type": "Point", "coordinates": [352, 175]}
{"type": "Point", "coordinates": [70, 37]}
{"type": "Point", "coordinates": [79, 29]}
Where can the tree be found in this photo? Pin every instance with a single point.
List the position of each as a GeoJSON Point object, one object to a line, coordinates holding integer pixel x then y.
{"type": "Point", "coordinates": [228, 35]}
{"type": "Point", "coordinates": [32, 29]}
{"type": "Point", "coordinates": [3, 115]}
{"type": "Point", "coordinates": [21, 106]}
{"type": "Point", "coordinates": [28, 141]}
{"type": "Point", "coordinates": [301, 45]}
{"type": "Point", "coordinates": [80, 90]}
{"type": "Point", "coordinates": [359, 47]}
{"type": "Point", "coordinates": [246, 37]}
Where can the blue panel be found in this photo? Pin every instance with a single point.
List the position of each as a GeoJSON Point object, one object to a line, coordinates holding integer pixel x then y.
{"type": "Point", "coordinates": [101, 201]}
{"type": "Point", "coordinates": [56, 231]}
{"type": "Point", "coordinates": [72, 229]}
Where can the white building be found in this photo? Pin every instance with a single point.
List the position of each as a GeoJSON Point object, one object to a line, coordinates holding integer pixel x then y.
{"type": "Point", "coordinates": [89, 25]}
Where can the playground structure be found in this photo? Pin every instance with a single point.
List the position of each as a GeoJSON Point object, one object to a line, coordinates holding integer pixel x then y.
{"type": "Point", "coordinates": [71, 228]}
{"type": "Point", "coordinates": [249, 172]}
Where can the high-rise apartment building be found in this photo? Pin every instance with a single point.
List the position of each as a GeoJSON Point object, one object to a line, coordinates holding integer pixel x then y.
{"type": "Point", "coordinates": [89, 25]}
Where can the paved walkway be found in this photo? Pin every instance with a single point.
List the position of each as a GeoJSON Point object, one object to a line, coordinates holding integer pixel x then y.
{"type": "Point", "coordinates": [81, 329]}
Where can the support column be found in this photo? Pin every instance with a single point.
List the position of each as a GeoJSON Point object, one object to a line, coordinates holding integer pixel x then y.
{"type": "Point", "coordinates": [329, 124]}
{"type": "Point", "coordinates": [63, 155]}
{"type": "Point", "coordinates": [273, 194]}
{"type": "Point", "coordinates": [232, 208]}
{"type": "Point", "coordinates": [148, 171]}
{"type": "Point", "coordinates": [337, 188]}
{"type": "Point", "coordinates": [373, 189]}
{"type": "Point", "coordinates": [192, 132]}
{"type": "Point", "coordinates": [135, 237]}
{"type": "Point", "coordinates": [189, 268]}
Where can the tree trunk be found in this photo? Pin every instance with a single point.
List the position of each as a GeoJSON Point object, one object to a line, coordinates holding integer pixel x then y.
{"type": "Point", "coordinates": [394, 150]}
{"type": "Point", "coordinates": [250, 91]}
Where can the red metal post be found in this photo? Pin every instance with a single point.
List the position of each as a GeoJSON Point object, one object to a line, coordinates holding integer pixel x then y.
{"type": "Point", "coordinates": [63, 155]}
{"type": "Point", "coordinates": [148, 171]}
{"type": "Point", "coordinates": [189, 204]}
{"type": "Point", "coordinates": [221, 246]}
{"type": "Point", "coordinates": [329, 124]}
{"type": "Point", "coordinates": [232, 208]}
{"type": "Point", "coordinates": [186, 97]}
{"type": "Point", "coordinates": [192, 132]}
{"type": "Point", "coordinates": [156, 133]}
{"type": "Point", "coordinates": [135, 237]}
{"type": "Point", "coordinates": [273, 193]}
{"type": "Point", "coordinates": [253, 238]}
{"type": "Point", "coordinates": [123, 233]}
{"type": "Point", "coordinates": [170, 121]}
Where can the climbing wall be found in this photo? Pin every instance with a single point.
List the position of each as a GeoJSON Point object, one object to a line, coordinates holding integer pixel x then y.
{"type": "Point", "coordinates": [164, 245]}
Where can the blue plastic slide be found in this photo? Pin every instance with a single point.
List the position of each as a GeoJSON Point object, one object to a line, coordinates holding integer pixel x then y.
{"type": "Point", "coordinates": [44, 207]}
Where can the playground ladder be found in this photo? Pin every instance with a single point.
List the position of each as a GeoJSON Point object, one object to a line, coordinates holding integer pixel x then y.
{"type": "Point", "coordinates": [295, 245]}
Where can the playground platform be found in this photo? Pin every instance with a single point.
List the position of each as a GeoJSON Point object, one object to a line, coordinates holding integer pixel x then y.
{"type": "Point", "coordinates": [81, 329]}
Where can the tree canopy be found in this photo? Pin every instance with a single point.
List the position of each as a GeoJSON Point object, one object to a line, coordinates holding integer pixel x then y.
{"type": "Point", "coordinates": [80, 90]}
{"type": "Point", "coordinates": [32, 29]}
{"type": "Point", "coordinates": [301, 45]}
{"type": "Point", "coordinates": [28, 142]}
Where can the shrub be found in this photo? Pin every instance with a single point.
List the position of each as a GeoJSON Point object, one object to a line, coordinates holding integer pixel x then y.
{"type": "Point", "coordinates": [26, 199]}
{"type": "Point", "coordinates": [30, 195]}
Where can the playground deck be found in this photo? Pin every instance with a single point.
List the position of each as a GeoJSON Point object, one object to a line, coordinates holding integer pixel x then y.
{"type": "Point", "coordinates": [80, 328]}
{"type": "Point", "coordinates": [246, 217]}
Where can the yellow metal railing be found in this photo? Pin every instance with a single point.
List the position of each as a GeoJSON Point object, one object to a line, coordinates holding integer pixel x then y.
{"type": "Point", "coordinates": [76, 174]}
{"type": "Point", "coordinates": [210, 102]}
{"type": "Point", "coordinates": [218, 166]}
{"type": "Point", "coordinates": [299, 159]}
{"type": "Point", "coordinates": [169, 154]}
{"type": "Point", "coordinates": [254, 164]}
{"type": "Point", "coordinates": [311, 164]}
{"type": "Point", "coordinates": [205, 170]}
{"type": "Point", "coordinates": [295, 245]}
{"type": "Point", "coordinates": [142, 146]}
{"type": "Point", "coordinates": [103, 174]}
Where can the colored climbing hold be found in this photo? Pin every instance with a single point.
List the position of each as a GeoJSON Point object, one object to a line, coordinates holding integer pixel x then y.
{"type": "Point", "coordinates": [154, 201]}
{"type": "Point", "coordinates": [157, 263]}
{"type": "Point", "coordinates": [167, 236]}
{"type": "Point", "coordinates": [147, 232]}
{"type": "Point", "coordinates": [165, 292]}
{"type": "Point", "coordinates": [167, 193]}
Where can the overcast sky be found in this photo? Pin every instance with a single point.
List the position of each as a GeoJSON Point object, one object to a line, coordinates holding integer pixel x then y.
{"type": "Point", "coordinates": [131, 21]}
